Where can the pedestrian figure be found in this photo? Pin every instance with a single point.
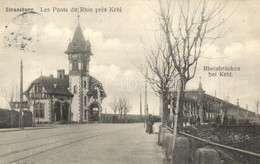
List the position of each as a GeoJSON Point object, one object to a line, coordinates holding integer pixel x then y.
{"type": "Point", "coordinates": [218, 122]}
{"type": "Point", "coordinates": [149, 124]}
{"type": "Point", "coordinates": [225, 120]}
{"type": "Point", "coordinates": [198, 120]}
{"type": "Point", "coordinates": [233, 121]}
{"type": "Point", "coordinates": [192, 120]}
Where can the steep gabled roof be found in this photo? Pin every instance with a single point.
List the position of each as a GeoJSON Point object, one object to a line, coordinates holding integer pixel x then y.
{"type": "Point", "coordinates": [94, 81]}
{"type": "Point", "coordinates": [62, 85]}
{"type": "Point", "coordinates": [52, 85]}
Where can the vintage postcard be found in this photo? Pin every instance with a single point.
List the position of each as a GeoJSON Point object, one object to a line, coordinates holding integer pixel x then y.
{"type": "Point", "coordinates": [120, 81]}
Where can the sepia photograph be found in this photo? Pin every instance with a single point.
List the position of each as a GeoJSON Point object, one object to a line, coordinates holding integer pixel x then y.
{"type": "Point", "coordinates": [130, 82]}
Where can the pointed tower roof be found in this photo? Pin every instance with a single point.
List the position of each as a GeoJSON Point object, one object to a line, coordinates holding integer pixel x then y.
{"type": "Point", "coordinates": [78, 43]}
{"type": "Point", "coordinates": [78, 35]}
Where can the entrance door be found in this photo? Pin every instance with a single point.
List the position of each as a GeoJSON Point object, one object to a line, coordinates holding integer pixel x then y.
{"type": "Point", "coordinates": [65, 112]}
{"type": "Point", "coordinates": [94, 112]}
{"type": "Point", "coordinates": [57, 113]}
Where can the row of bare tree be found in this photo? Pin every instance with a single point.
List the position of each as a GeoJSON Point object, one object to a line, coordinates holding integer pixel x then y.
{"type": "Point", "coordinates": [121, 106]}
{"type": "Point", "coordinates": [184, 27]}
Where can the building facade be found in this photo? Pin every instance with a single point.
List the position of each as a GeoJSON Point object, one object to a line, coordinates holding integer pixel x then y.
{"type": "Point", "coordinates": [72, 97]}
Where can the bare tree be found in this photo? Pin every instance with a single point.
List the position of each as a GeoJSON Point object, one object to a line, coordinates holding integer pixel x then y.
{"type": "Point", "coordinates": [10, 97]}
{"type": "Point", "coordinates": [114, 106]}
{"type": "Point", "coordinates": [186, 25]}
{"type": "Point", "coordinates": [122, 106]}
{"type": "Point", "coordinates": [126, 107]}
{"type": "Point", "coordinates": [160, 73]}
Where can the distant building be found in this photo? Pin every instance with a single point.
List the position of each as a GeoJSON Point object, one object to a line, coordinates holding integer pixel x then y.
{"type": "Point", "coordinates": [66, 98]}
{"type": "Point", "coordinates": [200, 105]}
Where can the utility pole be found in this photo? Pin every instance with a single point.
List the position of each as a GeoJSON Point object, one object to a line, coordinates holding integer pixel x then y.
{"type": "Point", "coordinates": [237, 111]}
{"type": "Point", "coordinates": [21, 96]}
{"type": "Point", "coordinates": [214, 106]}
{"type": "Point", "coordinates": [246, 110]}
{"type": "Point", "coordinates": [145, 98]}
{"type": "Point", "coordinates": [141, 110]}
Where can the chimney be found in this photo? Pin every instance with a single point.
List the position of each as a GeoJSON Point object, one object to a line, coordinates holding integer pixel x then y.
{"type": "Point", "coordinates": [60, 73]}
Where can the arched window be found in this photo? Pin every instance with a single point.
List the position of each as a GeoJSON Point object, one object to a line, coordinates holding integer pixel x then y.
{"type": "Point", "coordinates": [85, 84]}
{"type": "Point", "coordinates": [75, 88]}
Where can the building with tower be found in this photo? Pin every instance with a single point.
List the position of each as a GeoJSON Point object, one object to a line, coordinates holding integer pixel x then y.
{"type": "Point", "coordinates": [72, 97]}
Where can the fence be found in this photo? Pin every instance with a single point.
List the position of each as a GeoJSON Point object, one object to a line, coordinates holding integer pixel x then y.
{"type": "Point", "coordinates": [112, 118]}
{"type": "Point", "coordinates": [10, 118]}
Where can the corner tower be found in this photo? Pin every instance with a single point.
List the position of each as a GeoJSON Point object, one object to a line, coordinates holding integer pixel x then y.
{"type": "Point", "coordinates": [79, 52]}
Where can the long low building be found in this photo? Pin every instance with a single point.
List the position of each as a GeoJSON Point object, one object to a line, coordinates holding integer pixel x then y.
{"type": "Point", "coordinates": [206, 108]}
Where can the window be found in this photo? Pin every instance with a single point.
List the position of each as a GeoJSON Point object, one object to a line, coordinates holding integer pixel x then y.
{"type": "Point", "coordinates": [85, 84]}
{"type": "Point", "coordinates": [39, 110]}
{"type": "Point", "coordinates": [75, 65]}
{"type": "Point", "coordinates": [70, 66]}
{"type": "Point", "coordinates": [38, 88]}
{"type": "Point", "coordinates": [75, 88]}
{"type": "Point", "coordinates": [37, 91]}
{"type": "Point", "coordinates": [84, 65]}
{"type": "Point", "coordinates": [95, 94]}
{"type": "Point", "coordinates": [85, 100]}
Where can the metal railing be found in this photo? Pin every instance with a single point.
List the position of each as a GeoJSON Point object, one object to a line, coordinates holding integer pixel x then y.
{"type": "Point", "coordinates": [217, 144]}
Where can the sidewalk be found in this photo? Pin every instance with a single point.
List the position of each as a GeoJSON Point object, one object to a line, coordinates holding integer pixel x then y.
{"type": "Point", "coordinates": [148, 150]}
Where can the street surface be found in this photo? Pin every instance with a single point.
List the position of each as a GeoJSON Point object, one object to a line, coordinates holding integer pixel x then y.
{"type": "Point", "coordinates": [81, 143]}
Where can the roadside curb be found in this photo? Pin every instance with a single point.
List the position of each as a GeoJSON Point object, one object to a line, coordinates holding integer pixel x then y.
{"type": "Point", "coordinates": [25, 129]}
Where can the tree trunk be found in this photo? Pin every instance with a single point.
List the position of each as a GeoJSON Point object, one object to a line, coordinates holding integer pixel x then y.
{"type": "Point", "coordinates": [120, 117]}
{"type": "Point", "coordinates": [165, 107]}
{"type": "Point", "coordinates": [161, 107]}
{"type": "Point", "coordinates": [181, 102]}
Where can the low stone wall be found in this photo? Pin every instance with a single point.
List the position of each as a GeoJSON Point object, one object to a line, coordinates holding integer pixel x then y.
{"type": "Point", "coordinates": [191, 151]}
{"type": "Point", "coordinates": [207, 155]}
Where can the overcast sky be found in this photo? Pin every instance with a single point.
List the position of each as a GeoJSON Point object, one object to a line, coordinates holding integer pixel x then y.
{"type": "Point", "coordinates": [117, 48]}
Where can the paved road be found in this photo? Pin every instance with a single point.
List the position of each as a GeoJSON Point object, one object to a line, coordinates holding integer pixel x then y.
{"type": "Point", "coordinates": [88, 143]}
